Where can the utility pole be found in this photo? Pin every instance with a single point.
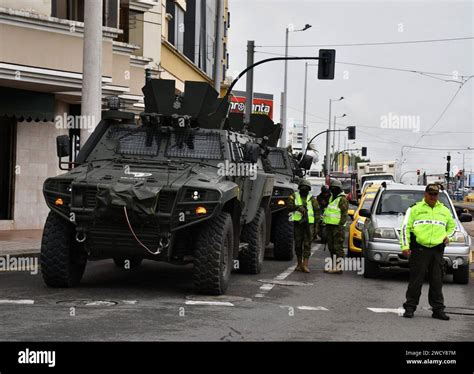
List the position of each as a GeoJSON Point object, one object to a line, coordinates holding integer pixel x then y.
{"type": "Point", "coordinates": [448, 170]}
{"type": "Point", "coordinates": [328, 150]}
{"type": "Point", "coordinates": [92, 65]}
{"type": "Point", "coordinates": [285, 87]}
{"type": "Point", "coordinates": [305, 125]}
{"type": "Point", "coordinates": [249, 86]}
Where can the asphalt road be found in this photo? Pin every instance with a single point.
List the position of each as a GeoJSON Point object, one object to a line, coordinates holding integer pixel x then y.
{"type": "Point", "coordinates": [156, 302]}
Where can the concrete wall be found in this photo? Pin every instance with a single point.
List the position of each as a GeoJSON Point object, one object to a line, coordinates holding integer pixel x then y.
{"type": "Point", "coordinates": [35, 160]}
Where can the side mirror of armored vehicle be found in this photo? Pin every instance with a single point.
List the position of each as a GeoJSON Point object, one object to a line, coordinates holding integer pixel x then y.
{"type": "Point", "coordinates": [63, 147]}
{"type": "Point", "coordinates": [251, 152]}
{"type": "Point", "coordinates": [306, 162]}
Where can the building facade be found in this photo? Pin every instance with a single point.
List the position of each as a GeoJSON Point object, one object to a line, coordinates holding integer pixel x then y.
{"type": "Point", "coordinates": [41, 45]}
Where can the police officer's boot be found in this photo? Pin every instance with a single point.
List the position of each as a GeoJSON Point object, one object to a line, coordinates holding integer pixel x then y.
{"type": "Point", "coordinates": [305, 268]}
{"type": "Point", "coordinates": [300, 264]}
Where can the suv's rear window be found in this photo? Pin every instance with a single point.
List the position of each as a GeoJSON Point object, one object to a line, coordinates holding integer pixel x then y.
{"type": "Point", "coordinates": [395, 202]}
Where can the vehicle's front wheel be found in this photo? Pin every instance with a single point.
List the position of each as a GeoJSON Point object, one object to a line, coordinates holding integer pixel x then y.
{"type": "Point", "coordinates": [371, 268]}
{"type": "Point", "coordinates": [251, 257]}
{"type": "Point", "coordinates": [461, 274]}
{"type": "Point", "coordinates": [62, 259]}
{"type": "Point", "coordinates": [282, 237]}
{"type": "Point", "coordinates": [213, 256]}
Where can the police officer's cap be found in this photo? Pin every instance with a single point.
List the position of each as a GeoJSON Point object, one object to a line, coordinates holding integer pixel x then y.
{"type": "Point", "coordinates": [432, 188]}
{"type": "Point", "coordinates": [335, 183]}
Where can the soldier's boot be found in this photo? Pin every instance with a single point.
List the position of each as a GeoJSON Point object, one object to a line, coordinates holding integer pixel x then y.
{"type": "Point", "coordinates": [305, 268]}
{"type": "Point", "coordinates": [300, 264]}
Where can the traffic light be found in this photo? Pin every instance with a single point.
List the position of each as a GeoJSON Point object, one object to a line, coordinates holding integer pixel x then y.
{"type": "Point", "coordinates": [326, 63]}
{"type": "Point", "coordinates": [418, 172]}
{"type": "Point", "coordinates": [351, 132]}
{"type": "Point", "coordinates": [364, 151]}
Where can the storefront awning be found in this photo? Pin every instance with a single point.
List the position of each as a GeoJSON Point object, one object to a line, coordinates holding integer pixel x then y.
{"type": "Point", "coordinates": [26, 105]}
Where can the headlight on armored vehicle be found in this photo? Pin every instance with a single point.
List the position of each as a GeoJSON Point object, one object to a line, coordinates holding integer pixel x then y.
{"type": "Point", "coordinates": [385, 233]}
{"type": "Point", "coordinates": [360, 224]}
{"type": "Point", "coordinates": [459, 237]}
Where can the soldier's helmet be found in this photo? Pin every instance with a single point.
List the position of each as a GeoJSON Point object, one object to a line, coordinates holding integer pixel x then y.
{"type": "Point", "coordinates": [303, 183]}
{"type": "Point", "coordinates": [336, 183]}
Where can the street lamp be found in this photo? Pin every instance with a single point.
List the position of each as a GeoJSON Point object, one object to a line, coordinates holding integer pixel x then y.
{"type": "Point", "coordinates": [328, 152]}
{"type": "Point", "coordinates": [338, 135]}
{"type": "Point", "coordinates": [285, 84]}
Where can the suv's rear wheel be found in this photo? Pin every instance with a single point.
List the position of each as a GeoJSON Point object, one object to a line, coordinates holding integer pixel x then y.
{"type": "Point", "coordinates": [282, 237]}
{"type": "Point", "coordinates": [461, 274]}
{"type": "Point", "coordinates": [213, 255]}
{"type": "Point", "coordinates": [251, 257]}
{"type": "Point", "coordinates": [62, 259]}
{"type": "Point", "coordinates": [127, 263]}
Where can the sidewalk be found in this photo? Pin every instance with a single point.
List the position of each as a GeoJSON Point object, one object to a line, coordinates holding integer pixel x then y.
{"type": "Point", "coordinates": [20, 242]}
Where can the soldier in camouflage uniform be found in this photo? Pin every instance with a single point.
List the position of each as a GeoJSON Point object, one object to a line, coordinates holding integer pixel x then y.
{"type": "Point", "coordinates": [335, 217]}
{"type": "Point", "coordinates": [305, 214]}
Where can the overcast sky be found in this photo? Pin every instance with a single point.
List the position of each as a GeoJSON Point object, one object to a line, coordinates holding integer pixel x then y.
{"type": "Point", "coordinates": [374, 98]}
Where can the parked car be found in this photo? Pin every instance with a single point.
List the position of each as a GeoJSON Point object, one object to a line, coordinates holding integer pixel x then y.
{"type": "Point", "coordinates": [381, 232]}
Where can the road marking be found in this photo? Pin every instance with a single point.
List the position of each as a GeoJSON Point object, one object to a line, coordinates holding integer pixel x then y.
{"type": "Point", "coordinates": [303, 307]}
{"type": "Point", "coordinates": [267, 287]}
{"type": "Point", "coordinates": [283, 282]}
{"type": "Point", "coordinates": [398, 311]}
{"type": "Point", "coordinates": [22, 302]}
{"type": "Point", "coordinates": [217, 303]}
{"type": "Point", "coordinates": [129, 302]}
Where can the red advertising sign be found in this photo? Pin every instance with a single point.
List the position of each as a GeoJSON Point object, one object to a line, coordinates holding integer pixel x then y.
{"type": "Point", "coordinates": [262, 103]}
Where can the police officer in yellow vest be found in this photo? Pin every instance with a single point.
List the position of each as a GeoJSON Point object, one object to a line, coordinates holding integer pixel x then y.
{"type": "Point", "coordinates": [305, 214]}
{"type": "Point", "coordinates": [335, 217]}
{"type": "Point", "coordinates": [427, 228]}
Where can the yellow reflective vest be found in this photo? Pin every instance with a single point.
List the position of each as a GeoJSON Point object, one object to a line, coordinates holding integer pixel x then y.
{"type": "Point", "coordinates": [332, 213]}
{"type": "Point", "coordinates": [429, 225]}
{"type": "Point", "coordinates": [297, 216]}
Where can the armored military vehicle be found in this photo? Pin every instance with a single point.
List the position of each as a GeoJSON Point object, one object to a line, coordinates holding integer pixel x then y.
{"type": "Point", "coordinates": [174, 187]}
{"type": "Point", "coordinates": [287, 169]}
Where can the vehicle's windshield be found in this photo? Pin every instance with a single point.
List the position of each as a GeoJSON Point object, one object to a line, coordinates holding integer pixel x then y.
{"type": "Point", "coordinates": [395, 202]}
{"type": "Point", "coordinates": [277, 160]}
{"type": "Point", "coordinates": [368, 201]}
{"type": "Point", "coordinates": [131, 140]}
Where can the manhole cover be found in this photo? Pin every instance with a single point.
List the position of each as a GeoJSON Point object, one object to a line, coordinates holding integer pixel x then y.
{"type": "Point", "coordinates": [221, 298]}
{"type": "Point", "coordinates": [87, 303]}
{"type": "Point", "coordinates": [284, 282]}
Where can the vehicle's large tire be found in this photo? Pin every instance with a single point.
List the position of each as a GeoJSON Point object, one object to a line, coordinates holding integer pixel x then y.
{"type": "Point", "coordinates": [133, 262]}
{"type": "Point", "coordinates": [371, 268]}
{"type": "Point", "coordinates": [62, 259]}
{"type": "Point", "coordinates": [282, 237]}
{"type": "Point", "coordinates": [461, 274]}
{"type": "Point", "coordinates": [213, 256]}
{"type": "Point", "coordinates": [251, 257]}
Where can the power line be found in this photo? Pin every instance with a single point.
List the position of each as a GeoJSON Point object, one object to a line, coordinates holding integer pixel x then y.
{"type": "Point", "coordinates": [369, 44]}
{"type": "Point", "coordinates": [424, 73]}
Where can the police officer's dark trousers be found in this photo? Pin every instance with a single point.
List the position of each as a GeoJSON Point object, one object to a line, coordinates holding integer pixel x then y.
{"type": "Point", "coordinates": [422, 260]}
